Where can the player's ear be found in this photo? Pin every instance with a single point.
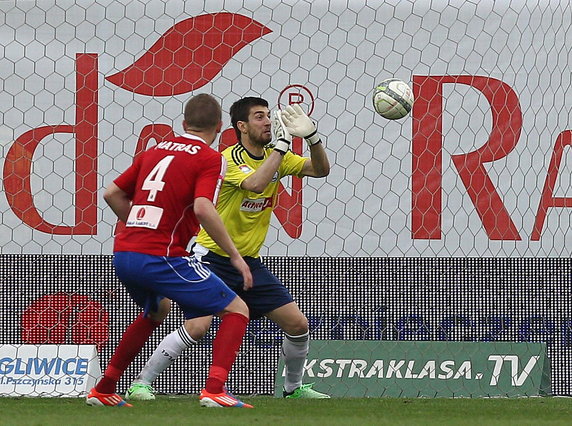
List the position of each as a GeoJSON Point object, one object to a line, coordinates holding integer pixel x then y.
{"type": "Point", "coordinates": [219, 127]}
{"type": "Point", "coordinates": [241, 126]}
{"type": "Point", "coordinates": [185, 126]}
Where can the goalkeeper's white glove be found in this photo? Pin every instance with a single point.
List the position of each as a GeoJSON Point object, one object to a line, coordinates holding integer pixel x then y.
{"type": "Point", "coordinates": [299, 124]}
{"type": "Point", "coordinates": [282, 137]}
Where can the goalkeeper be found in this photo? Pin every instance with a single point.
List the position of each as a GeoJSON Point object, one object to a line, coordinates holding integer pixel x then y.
{"type": "Point", "coordinates": [246, 200]}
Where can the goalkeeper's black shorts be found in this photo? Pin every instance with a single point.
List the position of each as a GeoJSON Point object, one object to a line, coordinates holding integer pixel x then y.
{"type": "Point", "coordinates": [267, 293]}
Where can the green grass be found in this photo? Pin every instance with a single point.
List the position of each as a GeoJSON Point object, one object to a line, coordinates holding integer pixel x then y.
{"type": "Point", "coordinates": [271, 411]}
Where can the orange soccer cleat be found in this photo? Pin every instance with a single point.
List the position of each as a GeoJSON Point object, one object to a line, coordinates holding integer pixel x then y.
{"type": "Point", "coordinates": [224, 399]}
{"type": "Point", "coordinates": [98, 399]}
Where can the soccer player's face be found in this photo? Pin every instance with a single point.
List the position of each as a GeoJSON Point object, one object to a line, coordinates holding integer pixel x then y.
{"type": "Point", "coordinates": [259, 125]}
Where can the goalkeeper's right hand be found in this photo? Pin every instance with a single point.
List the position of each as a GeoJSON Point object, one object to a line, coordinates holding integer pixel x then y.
{"type": "Point", "coordinates": [282, 137]}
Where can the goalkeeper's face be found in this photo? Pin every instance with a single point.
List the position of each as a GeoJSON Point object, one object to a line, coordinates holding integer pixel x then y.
{"type": "Point", "coordinates": [259, 126]}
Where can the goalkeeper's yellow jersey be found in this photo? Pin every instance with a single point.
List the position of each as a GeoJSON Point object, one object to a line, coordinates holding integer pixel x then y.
{"type": "Point", "coordinates": [246, 214]}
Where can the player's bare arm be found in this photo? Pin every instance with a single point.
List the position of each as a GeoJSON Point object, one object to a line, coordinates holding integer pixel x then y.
{"type": "Point", "coordinates": [259, 180]}
{"type": "Point", "coordinates": [118, 200]}
{"type": "Point", "coordinates": [318, 164]}
{"type": "Point", "coordinates": [210, 220]}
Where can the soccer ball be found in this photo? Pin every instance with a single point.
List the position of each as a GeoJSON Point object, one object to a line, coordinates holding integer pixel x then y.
{"type": "Point", "coordinates": [392, 99]}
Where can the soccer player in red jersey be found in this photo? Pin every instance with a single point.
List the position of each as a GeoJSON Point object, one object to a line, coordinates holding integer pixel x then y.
{"type": "Point", "coordinates": [247, 198]}
{"type": "Point", "coordinates": [163, 198]}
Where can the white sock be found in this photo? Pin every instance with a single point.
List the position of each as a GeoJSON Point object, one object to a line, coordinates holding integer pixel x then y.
{"type": "Point", "coordinates": [168, 350]}
{"type": "Point", "coordinates": [294, 353]}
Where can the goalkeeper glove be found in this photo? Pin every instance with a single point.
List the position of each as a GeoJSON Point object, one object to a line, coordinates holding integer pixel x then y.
{"type": "Point", "coordinates": [282, 137]}
{"type": "Point", "coordinates": [299, 124]}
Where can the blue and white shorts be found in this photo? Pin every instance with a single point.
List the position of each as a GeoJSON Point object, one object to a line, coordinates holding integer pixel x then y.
{"type": "Point", "coordinates": [184, 280]}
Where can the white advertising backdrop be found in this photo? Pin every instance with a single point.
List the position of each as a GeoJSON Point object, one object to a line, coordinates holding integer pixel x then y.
{"type": "Point", "coordinates": [329, 55]}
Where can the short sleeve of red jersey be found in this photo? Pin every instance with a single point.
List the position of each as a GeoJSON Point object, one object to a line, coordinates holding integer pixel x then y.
{"type": "Point", "coordinates": [128, 179]}
{"type": "Point", "coordinates": [210, 179]}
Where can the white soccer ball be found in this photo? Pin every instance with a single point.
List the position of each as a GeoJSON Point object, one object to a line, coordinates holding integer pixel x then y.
{"type": "Point", "coordinates": [392, 99]}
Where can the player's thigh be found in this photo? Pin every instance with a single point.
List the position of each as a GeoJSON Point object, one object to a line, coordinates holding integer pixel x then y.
{"type": "Point", "coordinates": [198, 327]}
{"type": "Point", "coordinates": [290, 319]}
{"type": "Point", "coordinates": [163, 309]}
{"type": "Point", "coordinates": [236, 306]}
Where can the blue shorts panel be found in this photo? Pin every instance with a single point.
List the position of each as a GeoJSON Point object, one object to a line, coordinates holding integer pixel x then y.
{"type": "Point", "coordinates": [267, 293]}
{"type": "Point", "coordinates": [184, 280]}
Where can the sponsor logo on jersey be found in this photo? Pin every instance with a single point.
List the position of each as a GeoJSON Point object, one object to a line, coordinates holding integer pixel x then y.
{"type": "Point", "coordinates": [249, 205]}
{"type": "Point", "coordinates": [144, 217]}
{"type": "Point", "coordinates": [244, 168]}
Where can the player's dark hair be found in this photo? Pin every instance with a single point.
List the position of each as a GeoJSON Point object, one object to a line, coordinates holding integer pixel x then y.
{"type": "Point", "coordinates": [202, 112]}
{"type": "Point", "coordinates": [240, 109]}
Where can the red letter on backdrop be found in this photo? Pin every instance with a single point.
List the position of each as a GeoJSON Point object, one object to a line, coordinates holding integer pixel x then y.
{"type": "Point", "coordinates": [427, 156]}
{"type": "Point", "coordinates": [547, 200]}
{"type": "Point", "coordinates": [18, 164]}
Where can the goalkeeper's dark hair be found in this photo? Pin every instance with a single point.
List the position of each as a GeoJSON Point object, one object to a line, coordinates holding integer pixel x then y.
{"type": "Point", "coordinates": [240, 109]}
{"type": "Point", "coordinates": [202, 112]}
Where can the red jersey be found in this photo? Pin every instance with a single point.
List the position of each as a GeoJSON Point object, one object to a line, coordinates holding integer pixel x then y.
{"type": "Point", "coordinates": [163, 183]}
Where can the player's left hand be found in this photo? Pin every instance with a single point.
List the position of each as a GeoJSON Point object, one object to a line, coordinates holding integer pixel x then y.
{"type": "Point", "coordinates": [299, 124]}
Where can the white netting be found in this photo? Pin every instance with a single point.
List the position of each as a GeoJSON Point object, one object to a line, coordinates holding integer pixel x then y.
{"type": "Point", "coordinates": [329, 56]}
{"type": "Point", "coordinates": [479, 169]}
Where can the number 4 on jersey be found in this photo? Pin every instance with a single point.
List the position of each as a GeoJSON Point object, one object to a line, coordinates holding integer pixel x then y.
{"type": "Point", "coordinates": [154, 180]}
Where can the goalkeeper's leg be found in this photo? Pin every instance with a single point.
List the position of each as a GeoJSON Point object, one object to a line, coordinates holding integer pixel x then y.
{"type": "Point", "coordinates": [170, 348]}
{"type": "Point", "coordinates": [295, 348]}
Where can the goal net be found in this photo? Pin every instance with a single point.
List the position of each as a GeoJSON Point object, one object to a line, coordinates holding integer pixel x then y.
{"type": "Point", "coordinates": [448, 225]}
